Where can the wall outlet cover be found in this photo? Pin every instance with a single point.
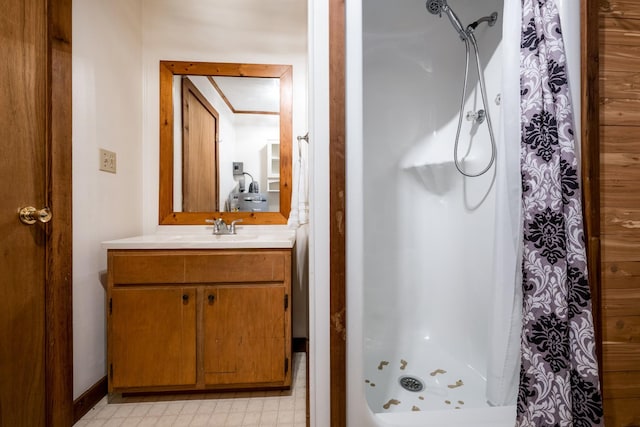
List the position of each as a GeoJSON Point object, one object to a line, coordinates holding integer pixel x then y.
{"type": "Point", "coordinates": [238, 168]}
{"type": "Point", "coordinates": [107, 161]}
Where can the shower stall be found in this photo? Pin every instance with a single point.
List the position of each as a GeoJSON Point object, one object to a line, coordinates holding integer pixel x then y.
{"type": "Point", "coordinates": [421, 208]}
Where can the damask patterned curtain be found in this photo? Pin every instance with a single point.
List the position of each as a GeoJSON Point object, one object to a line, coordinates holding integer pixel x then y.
{"type": "Point", "coordinates": [559, 373]}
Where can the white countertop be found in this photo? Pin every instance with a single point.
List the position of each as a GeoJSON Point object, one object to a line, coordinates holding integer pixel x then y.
{"type": "Point", "coordinates": [201, 237]}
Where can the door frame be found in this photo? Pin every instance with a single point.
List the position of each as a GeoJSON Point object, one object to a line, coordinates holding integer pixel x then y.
{"type": "Point", "coordinates": [58, 287]}
{"type": "Point", "coordinates": [337, 187]}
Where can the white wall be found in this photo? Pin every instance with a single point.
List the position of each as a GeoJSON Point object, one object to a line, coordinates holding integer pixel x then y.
{"type": "Point", "coordinates": [254, 132]}
{"type": "Point", "coordinates": [107, 113]}
{"type": "Point", "coordinates": [319, 244]}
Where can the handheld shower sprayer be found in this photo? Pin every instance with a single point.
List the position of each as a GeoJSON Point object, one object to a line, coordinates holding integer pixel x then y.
{"type": "Point", "coordinates": [436, 7]}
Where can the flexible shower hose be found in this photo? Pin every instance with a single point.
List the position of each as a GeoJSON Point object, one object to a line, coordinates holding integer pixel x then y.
{"type": "Point", "coordinates": [470, 35]}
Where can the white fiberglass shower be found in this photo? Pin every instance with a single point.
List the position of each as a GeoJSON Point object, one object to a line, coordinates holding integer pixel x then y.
{"type": "Point", "coordinates": [421, 257]}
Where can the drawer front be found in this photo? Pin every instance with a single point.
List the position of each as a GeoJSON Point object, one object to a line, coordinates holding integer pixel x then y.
{"type": "Point", "coordinates": [145, 267]}
{"type": "Point", "coordinates": [258, 266]}
{"type": "Point", "coordinates": [181, 267]}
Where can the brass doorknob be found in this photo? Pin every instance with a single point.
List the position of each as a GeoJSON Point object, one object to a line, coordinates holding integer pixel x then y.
{"type": "Point", "coordinates": [30, 215]}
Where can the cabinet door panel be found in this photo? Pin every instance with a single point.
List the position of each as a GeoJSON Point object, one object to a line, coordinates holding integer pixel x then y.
{"type": "Point", "coordinates": [244, 334]}
{"type": "Point", "coordinates": [153, 337]}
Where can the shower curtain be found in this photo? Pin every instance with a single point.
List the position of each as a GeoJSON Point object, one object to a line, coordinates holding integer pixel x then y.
{"type": "Point", "coordinates": [506, 314]}
{"type": "Point", "coordinates": [559, 373]}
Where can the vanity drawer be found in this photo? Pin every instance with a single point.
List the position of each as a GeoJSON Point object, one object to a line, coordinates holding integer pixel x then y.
{"type": "Point", "coordinates": [240, 266]}
{"type": "Point", "coordinates": [130, 267]}
{"type": "Point", "coordinates": [139, 267]}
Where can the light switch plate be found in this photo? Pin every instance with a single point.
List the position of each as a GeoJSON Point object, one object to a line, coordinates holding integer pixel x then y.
{"type": "Point", "coordinates": [107, 161]}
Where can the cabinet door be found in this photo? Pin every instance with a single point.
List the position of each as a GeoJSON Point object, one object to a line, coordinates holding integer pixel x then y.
{"type": "Point", "coordinates": [152, 336]}
{"type": "Point", "coordinates": [244, 334]}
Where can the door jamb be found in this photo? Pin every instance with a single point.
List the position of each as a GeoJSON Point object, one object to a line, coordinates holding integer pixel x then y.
{"type": "Point", "coordinates": [58, 286]}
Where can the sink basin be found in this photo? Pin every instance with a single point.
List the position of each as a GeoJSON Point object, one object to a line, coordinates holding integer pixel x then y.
{"type": "Point", "coordinates": [280, 238]}
{"type": "Point", "coordinates": [208, 237]}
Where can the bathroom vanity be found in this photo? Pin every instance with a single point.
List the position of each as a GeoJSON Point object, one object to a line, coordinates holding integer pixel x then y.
{"type": "Point", "coordinates": [199, 312]}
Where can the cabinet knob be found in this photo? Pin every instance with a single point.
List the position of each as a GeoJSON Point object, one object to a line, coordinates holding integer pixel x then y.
{"type": "Point", "coordinates": [211, 298]}
{"type": "Point", "coordinates": [185, 298]}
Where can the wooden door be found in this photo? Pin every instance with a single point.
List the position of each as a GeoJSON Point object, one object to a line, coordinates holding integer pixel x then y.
{"type": "Point", "coordinates": [244, 334]}
{"type": "Point", "coordinates": [199, 151]}
{"type": "Point", "coordinates": [152, 336]}
{"type": "Point", "coordinates": [35, 260]}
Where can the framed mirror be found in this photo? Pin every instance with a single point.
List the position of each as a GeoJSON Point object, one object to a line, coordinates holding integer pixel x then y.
{"type": "Point", "coordinates": [202, 161]}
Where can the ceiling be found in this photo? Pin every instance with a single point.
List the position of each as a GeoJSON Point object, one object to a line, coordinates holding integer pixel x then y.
{"type": "Point", "coordinates": [273, 27]}
{"type": "Point", "coordinates": [250, 94]}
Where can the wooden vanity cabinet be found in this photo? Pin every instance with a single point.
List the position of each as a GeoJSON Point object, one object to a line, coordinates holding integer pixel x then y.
{"type": "Point", "coordinates": [198, 319]}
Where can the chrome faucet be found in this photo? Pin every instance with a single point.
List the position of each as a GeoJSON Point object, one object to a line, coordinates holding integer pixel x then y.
{"type": "Point", "coordinates": [221, 227]}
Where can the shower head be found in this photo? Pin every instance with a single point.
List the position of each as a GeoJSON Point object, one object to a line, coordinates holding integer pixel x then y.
{"type": "Point", "coordinates": [436, 7]}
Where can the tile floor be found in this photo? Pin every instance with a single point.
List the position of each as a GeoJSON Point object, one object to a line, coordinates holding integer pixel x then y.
{"type": "Point", "coordinates": [270, 408]}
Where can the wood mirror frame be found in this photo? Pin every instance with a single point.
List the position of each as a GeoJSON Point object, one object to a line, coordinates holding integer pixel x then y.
{"type": "Point", "coordinates": [170, 68]}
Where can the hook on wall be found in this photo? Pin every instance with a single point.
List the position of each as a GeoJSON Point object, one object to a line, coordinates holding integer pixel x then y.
{"type": "Point", "coordinates": [305, 137]}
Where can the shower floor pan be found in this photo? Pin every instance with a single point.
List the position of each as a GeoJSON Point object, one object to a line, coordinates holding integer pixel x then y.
{"type": "Point", "coordinates": [442, 382]}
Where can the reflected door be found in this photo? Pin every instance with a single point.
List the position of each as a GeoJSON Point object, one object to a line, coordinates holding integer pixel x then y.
{"type": "Point", "coordinates": [199, 151]}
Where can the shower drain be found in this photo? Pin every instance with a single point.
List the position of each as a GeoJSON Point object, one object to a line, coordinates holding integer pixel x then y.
{"type": "Point", "coordinates": [410, 383]}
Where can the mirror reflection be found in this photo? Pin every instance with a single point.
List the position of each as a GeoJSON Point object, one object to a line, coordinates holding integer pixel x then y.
{"type": "Point", "coordinates": [225, 142]}
{"type": "Point", "coordinates": [227, 146]}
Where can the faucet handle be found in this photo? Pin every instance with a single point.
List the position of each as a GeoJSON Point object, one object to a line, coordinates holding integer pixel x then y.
{"type": "Point", "coordinates": [232, 227]}
{"type": "Point", "coordinates": [218, 224]}
{"type": "Point", "coordinates": [215, 224]}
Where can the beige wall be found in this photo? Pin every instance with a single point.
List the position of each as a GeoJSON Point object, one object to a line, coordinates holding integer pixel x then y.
{"type": "Point", "coordinates": [107, 113]}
